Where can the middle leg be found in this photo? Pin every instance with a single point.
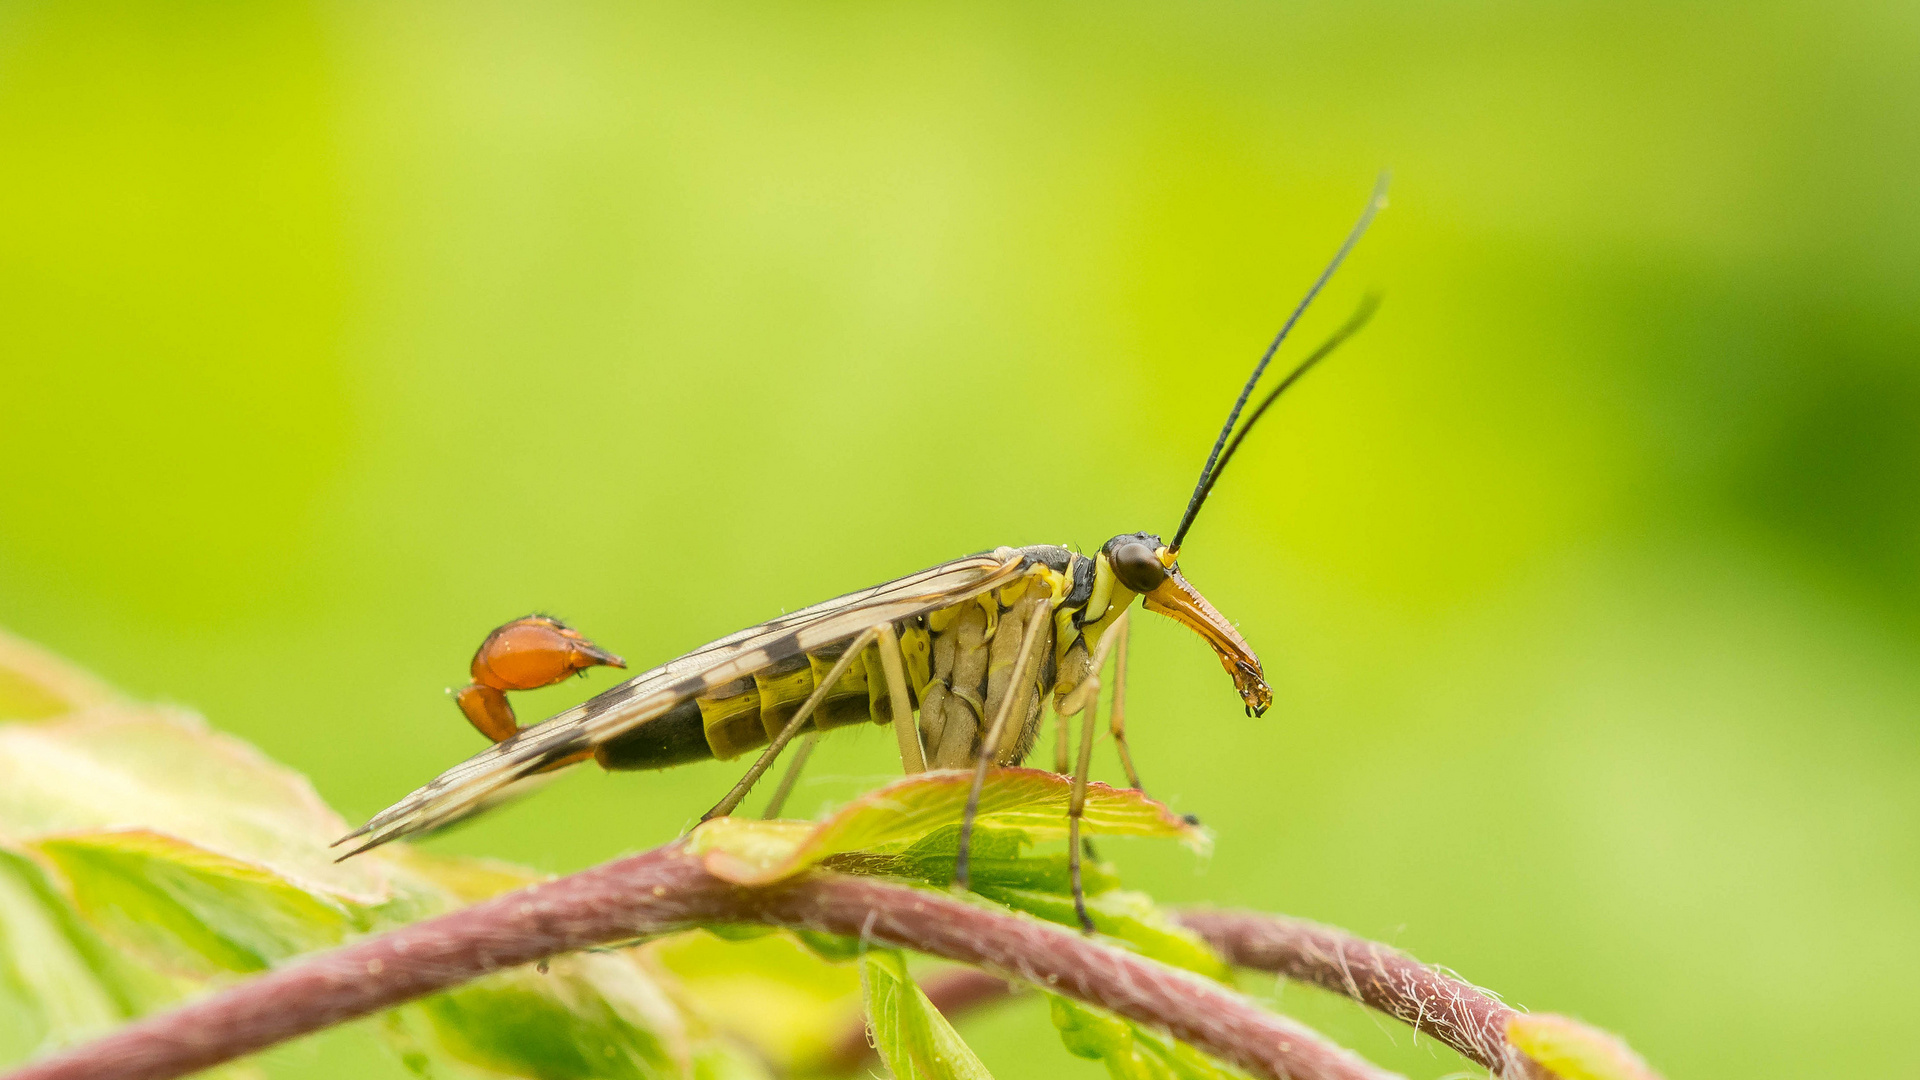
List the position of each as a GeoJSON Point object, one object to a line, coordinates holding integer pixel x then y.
{"type": "Point", "coordinates": [1018, 690]}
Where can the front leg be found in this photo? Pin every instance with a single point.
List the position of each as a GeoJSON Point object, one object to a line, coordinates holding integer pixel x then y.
{"type": "Point", "coordinates": [1117, 722]}
{"type": "Point", "coordinates": [1086, 699]}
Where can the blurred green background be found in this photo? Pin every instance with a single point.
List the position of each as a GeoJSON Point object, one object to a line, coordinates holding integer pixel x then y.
{"type": "Point", "coordinates": [1588, 578]}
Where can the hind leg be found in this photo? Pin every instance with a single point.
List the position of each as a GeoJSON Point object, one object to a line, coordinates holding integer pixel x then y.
{"type": "Point", "coordinates": [760, 765]}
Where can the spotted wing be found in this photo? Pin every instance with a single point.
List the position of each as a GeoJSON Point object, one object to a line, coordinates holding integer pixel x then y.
{"type": "Point", "coordinates": [506, 768]}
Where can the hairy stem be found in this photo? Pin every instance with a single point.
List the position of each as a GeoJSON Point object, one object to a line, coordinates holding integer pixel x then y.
{"type": "Point", "coordinates": [669, 889]}
{"type": "Point", "coordinates": [1446, 1007]}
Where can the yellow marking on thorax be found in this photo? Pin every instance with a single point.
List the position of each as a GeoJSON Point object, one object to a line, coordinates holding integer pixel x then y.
{"type": "Point", "coordinates": [1109, 599]}
{"type": "Point", "coordinates": [990, 604]}
{"type": "Point", "coordinates": [1103, 584]}
{"type": "Point", "coordinates": [1064, 632]}
{"type": "Point", "coordinates": [917, 646]}
{"type": "Point", "coordinates": [1121, 599]}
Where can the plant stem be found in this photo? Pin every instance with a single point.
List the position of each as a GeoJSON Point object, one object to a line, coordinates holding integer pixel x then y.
{"type": "Point", "coordinates": [669, 889]}
{"type": "Point", "coordinates": [1448, 1008]}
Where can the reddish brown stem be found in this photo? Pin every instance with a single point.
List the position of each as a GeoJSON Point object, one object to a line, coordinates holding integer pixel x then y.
{"type": "Point", "coordinates": [668, 889]}
{"type": "Point", "coordinates": [1450, 1009]}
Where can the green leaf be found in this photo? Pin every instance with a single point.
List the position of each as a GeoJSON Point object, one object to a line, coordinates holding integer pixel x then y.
{"type": "Point", "coordinates": [1574, 1050]}
{"type": "Point", "coordinates": [1129, 1051]}
{"type": "Point", "coordinates": [1098, 1035]}
{"type": "Point", "coordinates": [453, 879]}
{"type": "Point", "coordinates": [913, 1038]}
{"type": "Point", "coordinates": [188, 910]}
{"type": "Point", "coordinates": [997, 859]}
{"type": "Point", "coordinates": [59, 982]}
{"type": "Point", "coordinates": [752, 852]}
{"type": "Point", "coordinates": [833, 948]}
{"type": "Point", "coordinates": [50, 993]}
{"type": "Point", "coordinates": [163, 771]}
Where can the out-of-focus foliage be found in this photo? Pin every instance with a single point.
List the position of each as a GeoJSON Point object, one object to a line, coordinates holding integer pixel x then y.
{"type": "Point", "coordinates": [1588, 577]}
{"type": "Point", "coordinates": [144, 858]}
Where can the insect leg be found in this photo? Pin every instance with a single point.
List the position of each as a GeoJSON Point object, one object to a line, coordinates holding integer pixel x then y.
{"type": "Point", "coordinates": [1016, 690]}
{"type": "Point", "coordinates": [913, 756]}
{"type": "Point", "coordinates": [955, 710]}
{"type": "Point", "coordinates": [1078, 807]}
{"type": "Point", "coordinates": [792, 777]}
{"type": "Point", "coordinates": [780, 741]}
{"type": "Point", "coordinates": [1086, 697]}
{"type": "Point", "coordinates": [1117, 719]}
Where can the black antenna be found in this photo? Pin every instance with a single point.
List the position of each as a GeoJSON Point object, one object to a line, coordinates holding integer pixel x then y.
{"type": "Point", "coordinates": [1209, 473]}
{"type": "Point", "coordinates": [1368, 305]}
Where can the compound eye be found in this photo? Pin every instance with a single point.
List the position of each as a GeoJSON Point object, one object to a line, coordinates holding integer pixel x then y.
{"type": "Point", "coordinates": [1138, 568]}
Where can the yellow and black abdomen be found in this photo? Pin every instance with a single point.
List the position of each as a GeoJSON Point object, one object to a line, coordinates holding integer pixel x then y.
{"type": "Point", "coordinates": [747, 713]}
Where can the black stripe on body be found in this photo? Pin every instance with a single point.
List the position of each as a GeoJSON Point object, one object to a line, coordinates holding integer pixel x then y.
{"type": "Point", "coordinates": [675, 737]}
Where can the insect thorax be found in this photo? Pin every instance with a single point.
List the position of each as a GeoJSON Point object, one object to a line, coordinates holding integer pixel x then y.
{"type": "Point", "coordinates": [959, 664]}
